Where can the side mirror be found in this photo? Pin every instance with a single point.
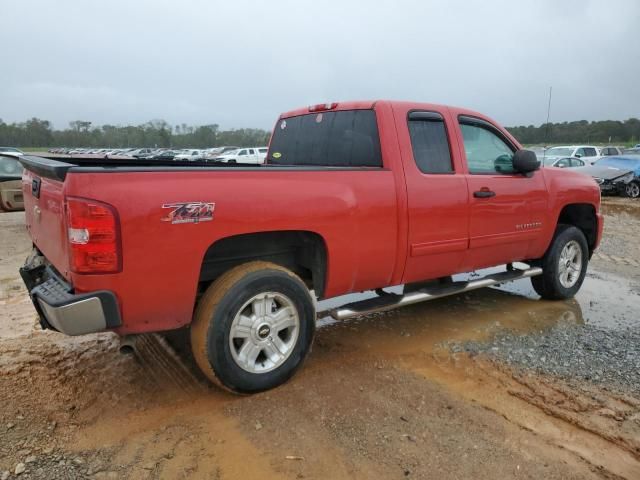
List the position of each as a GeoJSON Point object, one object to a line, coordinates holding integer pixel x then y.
{"type": "Point", "coordinates": [525, 161]}
{"type": "Point", "coordinates": [578, 155]}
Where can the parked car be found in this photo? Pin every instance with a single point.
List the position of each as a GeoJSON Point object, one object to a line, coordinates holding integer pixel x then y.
{"type": "Point", "coordinates": [609, 151]}
{"type": "Point", "coordinates": [242, 155]}
{"type": "Point", "coordinates": [141, 152]}
{"type": "Point", "coordinates": [586, 152]}
{"type": "Point", "coordinates": [618, 175]}
{"type": "Point", "coordinates": [164, 155]}
{"type": "Point", "coordinates": [212, 153]}
{"type": "Point", "coordinates": [353, 196]}
{"type": "Point", "coordinates": [189, 155]}
{"type": "Point", "coordinates": [11, 197]}
{"type": "Point", "coordinates": [564, 162]}
{"type": "Point", "coordinates": [15, 151]}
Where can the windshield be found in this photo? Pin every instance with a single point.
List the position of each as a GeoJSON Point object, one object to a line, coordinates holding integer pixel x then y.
{"type": "Point", "coordinates": [559, 152]}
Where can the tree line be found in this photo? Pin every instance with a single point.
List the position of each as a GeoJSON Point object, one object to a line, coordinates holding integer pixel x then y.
{"type": "Point", "coordinates": [155, 133]}
{"type": "Point", "coordinates": [158, 133]}
{"type": "Point", "coordinates": [582, 131]}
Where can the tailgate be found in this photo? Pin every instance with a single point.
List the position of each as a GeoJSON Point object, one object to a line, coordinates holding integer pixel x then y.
{"type": "Point", "coordinates": [44, 211]}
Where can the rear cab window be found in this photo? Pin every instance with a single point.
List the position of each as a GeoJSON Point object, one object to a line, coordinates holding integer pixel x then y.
{"type": "Point", "coordinates": [343, 138]}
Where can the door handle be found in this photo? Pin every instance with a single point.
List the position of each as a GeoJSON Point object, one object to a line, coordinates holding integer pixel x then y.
{"type": "Point", "coordinates": [484, 193]}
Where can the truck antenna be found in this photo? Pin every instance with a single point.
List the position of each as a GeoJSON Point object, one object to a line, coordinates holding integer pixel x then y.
{"type": "Point", "coordinates": [546, 130]}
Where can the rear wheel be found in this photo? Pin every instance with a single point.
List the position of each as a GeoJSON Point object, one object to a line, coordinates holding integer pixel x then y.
{"type": "Point", "coordinates": [253, 327]}
{"type": "Point", "coordinates": [564, 265]}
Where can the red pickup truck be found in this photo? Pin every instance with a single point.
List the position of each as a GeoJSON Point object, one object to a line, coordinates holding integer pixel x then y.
{"type": "Point", "coordinates": [353, 196]}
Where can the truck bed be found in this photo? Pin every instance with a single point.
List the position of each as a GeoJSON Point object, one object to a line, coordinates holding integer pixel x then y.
{"type": "Point", "coordinates": [57, 167]}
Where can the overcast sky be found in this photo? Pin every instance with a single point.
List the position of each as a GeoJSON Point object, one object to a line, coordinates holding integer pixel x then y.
{"type": "Point", "coordinates": [240, 63]}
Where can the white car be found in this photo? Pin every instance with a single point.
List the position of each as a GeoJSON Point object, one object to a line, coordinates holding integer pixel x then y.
{"type": "Point", "coordinates": [11, 150]}
{"type": "Point", "coordinates": [190, 155]}
{"type": "Point", "coordinates": [565, 162]}
{"type": "Point", "coordinates": [253, 155]}
{"type": "Point", "coordinates": [587, 152]}
{"type": "Point", "coordinates": [609, 151]}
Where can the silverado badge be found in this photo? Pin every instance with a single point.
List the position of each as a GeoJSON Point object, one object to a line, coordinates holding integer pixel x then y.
{"type": "Point", "coordinates": [189, 212]}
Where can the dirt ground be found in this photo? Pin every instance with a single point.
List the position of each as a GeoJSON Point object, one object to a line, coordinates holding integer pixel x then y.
{"type": "Point", "coordinates": [380, 397]}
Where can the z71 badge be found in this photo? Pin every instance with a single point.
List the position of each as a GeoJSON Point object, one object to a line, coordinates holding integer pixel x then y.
{"type": "Point", "coordinates": [189, 212]}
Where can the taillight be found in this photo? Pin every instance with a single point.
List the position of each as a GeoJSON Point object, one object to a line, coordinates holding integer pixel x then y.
{"type": "Point", "coordinates": [321, 107]}
{"type": "Point", "coordinates": [94, 237]}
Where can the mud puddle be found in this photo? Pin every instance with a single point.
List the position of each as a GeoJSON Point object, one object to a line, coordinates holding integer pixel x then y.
{"type": "Point", "coordinates": [600, 427]}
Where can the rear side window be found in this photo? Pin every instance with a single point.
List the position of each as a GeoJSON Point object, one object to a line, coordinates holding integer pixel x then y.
{"type": "Point", "coordinates": [429, 142]}
{"type": "Point", "coordinates": [347, 138]}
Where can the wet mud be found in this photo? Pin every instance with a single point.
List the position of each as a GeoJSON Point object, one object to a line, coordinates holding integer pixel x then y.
{"type": "Point", "coordinates": [382, 396]}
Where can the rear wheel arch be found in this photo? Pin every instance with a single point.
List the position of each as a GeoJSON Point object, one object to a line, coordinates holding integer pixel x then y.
{"type": "Point", "coordinates": [303, 252]}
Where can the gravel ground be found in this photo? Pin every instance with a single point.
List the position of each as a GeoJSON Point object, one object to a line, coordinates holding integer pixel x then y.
{"type": "Point", "coordinates": [604, 348]}
{"type": "Point", "coordinates": [604, 357]}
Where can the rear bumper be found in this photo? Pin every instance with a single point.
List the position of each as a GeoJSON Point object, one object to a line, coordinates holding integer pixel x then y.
{"type": "Point", "coordinates": [62, 310]}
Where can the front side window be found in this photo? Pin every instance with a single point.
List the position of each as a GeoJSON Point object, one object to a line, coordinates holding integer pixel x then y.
{"type": "Point", "coordinates": [486, 152]}
{"type": "Point", "coordinates": [345, 138]}
{"type": "Point", "coordinates": [242, 152]}
{"type": "Point", "coordinates": [580, 152]}
{"type": "Point", "coordinates": [429, 142]}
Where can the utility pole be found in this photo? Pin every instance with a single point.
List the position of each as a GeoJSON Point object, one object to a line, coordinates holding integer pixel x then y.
{"type": "Point", "coordinates": [546, 133]}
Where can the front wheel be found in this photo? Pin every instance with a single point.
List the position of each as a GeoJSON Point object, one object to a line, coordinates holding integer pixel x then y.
{"type": "Point", "coordinates": [632, 189]}
{"type": "Point", "coordinates": [564, 265]}
{"type": "Point", "coordinates": [253, 327]}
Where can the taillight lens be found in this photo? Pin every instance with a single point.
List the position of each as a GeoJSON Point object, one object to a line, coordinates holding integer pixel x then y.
{"type": "Point", "coordinates": [94, 237]}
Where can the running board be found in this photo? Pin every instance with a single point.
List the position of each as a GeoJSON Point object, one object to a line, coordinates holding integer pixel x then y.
{"type": "Point", "coordinates": [391, 301]}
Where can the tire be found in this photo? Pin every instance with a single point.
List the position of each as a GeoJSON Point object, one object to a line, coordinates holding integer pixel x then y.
{"type": "Point", "coordinates": [555, 283]}
{"type": "Point", "coordinates": [237, 346]}
{"type": "Point", "coordinates": [632, 190]}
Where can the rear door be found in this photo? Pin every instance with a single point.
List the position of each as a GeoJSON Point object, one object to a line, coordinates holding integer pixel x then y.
{"type": "Point", "coordinates": [253, 155]}
{"type": "Point", "coordinates": [507, 209]}
{"type": "Point", "coordinates": [438, 203]}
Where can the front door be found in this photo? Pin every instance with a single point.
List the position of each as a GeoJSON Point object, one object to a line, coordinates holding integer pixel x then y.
{"type": "Point", "coordinates": [507, 208]}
